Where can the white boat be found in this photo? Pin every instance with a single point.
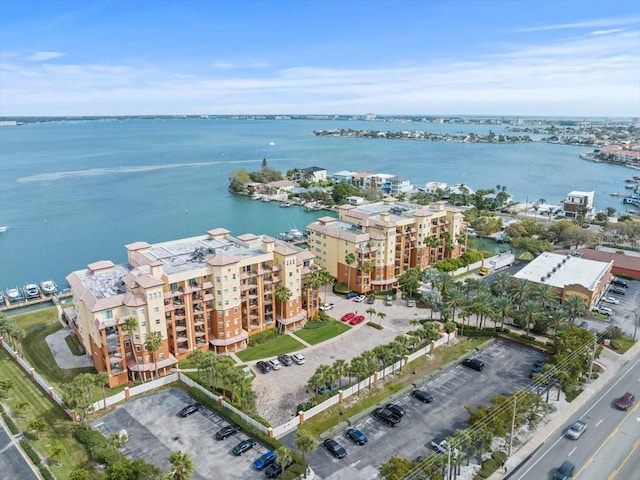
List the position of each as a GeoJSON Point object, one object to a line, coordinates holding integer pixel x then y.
{"type": "Point", "coordinates": [31, 290]}
{"type": "Point", "coordinates": [285, 205]}
{"type": "Point", "coordinates": [3, 229]}
{"type": "Point", "coordinates": [296, 234]}
{"type": "Point", "coordinates": [48, 287]}
{"type": "Point", "coordinates": [14, 295]}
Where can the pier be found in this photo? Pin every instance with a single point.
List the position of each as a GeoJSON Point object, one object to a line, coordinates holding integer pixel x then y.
{"type": "Point", "coordinates": [34, 301]}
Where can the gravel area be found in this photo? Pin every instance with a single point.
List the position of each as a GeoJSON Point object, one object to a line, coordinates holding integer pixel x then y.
{"type": "Point", "coordinates": [280, 391]}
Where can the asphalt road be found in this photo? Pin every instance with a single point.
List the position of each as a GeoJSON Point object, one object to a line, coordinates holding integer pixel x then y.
{"type": "Point", "coordinates": [608, 450]}
{"type": "Point", "coordinates": [12, 463]}
{"type": "Point", "coordinates": [507, 367]}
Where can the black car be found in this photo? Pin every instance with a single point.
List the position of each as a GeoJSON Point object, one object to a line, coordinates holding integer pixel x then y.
{"type": "Point", "coordinates": [566, 471]}
{"type": "Point", "coordinates": [474, 364]}
{"type": "Point", "coordinates": [244, 446]}
{"type": "Point", "coordinates": [275, 469]}
{"type": "Point", "coordinates": [386, 416]}
{"type": "Point", "coordinates": [356, 436]}
{"type": "Point", "coordinates": [334, 448]}
{"type": "Point", "coordinates": [620, 283]}
{"type": "Point", "coordinates": [422, 396]}
{"type": "Point", "coordinates": [285, 359]}
{"type": "Point", "coordinates": [617, 291]}
{"type": "Point", "coordinates": [190, 409]}
{"type": "Point", "coordinates": [226, 432]}
{"type": "Point", "coordinates": [397, 409]}
{"type": "Point", "coordinates": [263, 367]}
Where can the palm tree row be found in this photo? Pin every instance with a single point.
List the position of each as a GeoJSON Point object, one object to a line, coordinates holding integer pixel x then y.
{"type": "Point", "coordinates": [9, 329]}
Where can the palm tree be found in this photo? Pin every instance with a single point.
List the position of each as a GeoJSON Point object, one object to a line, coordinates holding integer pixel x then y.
{"type": "Point", "coordinates": [79, 474]}
{"type": "Point", "coordinates": [130, 325]}
{"type": "Point", "coordinates": [431, 243]}
{"type": "Point", "coordinates": [283, 457]}
{"type": "Point", "coordinates": [520, 290]}
{"type": "Point", "coordinates": [57, 451]}
{"type": "Point", "coordinates": [414, 322]}
{"type": "Point", "coordinates": [153, 343]}
{"type": "Point", "coordinates": [367, 268]}
{"type": "Point", "coordinates": [372, 363]}
{"type": "Point", "coordinates": [181, 465]}
{"type": "Point", "coordinates": [19, 408]}
{"type": "Point", "coordinates": [482, 307]}
{"type": "Point", "coordinates": [454, 298]}
{"type": "Point", "coordinates": [283, 294]}
{"type": "Point", "coordinates": [530, 312]}
{"type": "Point", "coordinates": [101, 378]}
{"type": "Point", "coordinates": [546, 294]}
{"type": "Point", "coordinates": [500, 283]}
{"type": "Point", "coordinates": [315, 382]}
{"type": "Point", "coordinates": [349, 258]}
{"type": "Point", "coordinates": [340, 367]}
{"type": "Point", "coordinates": [371, 311]}
{"type": "Point", "coordinates": [503, 308]}
{"type": "Point", "coordinates": [381, 316]}
{"type": "Point", "coordinates": [117, 440]}
{"type": "Point", "coordinates": [575, 307]}
{"type": "Point", "coordinates": [306, 443]}
{"type": "Point", "coordinates": [38, 426]}
{"type": "Point", "coordinates": [327, 280]}
{"type": "Point", "coordinates": [359, 370]}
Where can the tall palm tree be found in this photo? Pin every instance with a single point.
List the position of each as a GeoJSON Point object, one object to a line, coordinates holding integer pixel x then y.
{"type": "Point", "coordinates": [500, 283]}
{"type": "Point", "coordinates": [454, 298]}
{"type": "Point", "coordinates": [575, 307]}
{"type": "Point", "coordinates": [101, 378]}
{"type": "Point", "coordinates": [367, 268]}
{"type": "Point", "coordinates": [153, 343]}
{"type": "Point", "coordinates": [306, 443]}
{"type": "Point", "coordinates": [381, 316]}
{"type": "Point", "coordinates": [372, 363]}
{"type": "Point", "coordinates": [530, 313]}
{"type": "Point", "coordinates": [520, 290]}
{"type": "Point", "coordinates": [130, 325]}
{"type": "Point", "coordinates": [430, 242]}
{"type": "Point", "coordinates": [359, 370]}
{"type": "Point", "coordinates": [503, 308]}
{"type": "Point", "coordinates": [283, 457]}
{"type": "Point", "coordinates": [414, 322]}
{"type": "Point", "coordinates": [482, 307]}
{"type": "Point", "coordinates": [181, 465]}
{"type": "Point", "coordinates": [340, 367]}
{"type": "Point", "coordinates": [283, 294]}
{"type": "Point", "coordinates": [57, 450]}
{"type": "Point", "coordinates": [349, 258]}
{"type": "Point", "coordinates": [371, 311]}
{"type": "Point", "coordinates": [546, 294]}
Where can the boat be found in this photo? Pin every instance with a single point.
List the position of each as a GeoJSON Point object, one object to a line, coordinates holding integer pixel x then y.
{"type": "Point", "coordinates": [31, 290]}
{"type": "Point", "coordinates": [285, 205]}
{"type": "Point", "coordinates": [14, 295]}
{"type": "Point", "coordinates": [296, 234]}
{"type": "Point", "coordinates": [266, 199]}
{"type": "Point", "coordinates": [3, 229]}
{"type": "Point", "coordinates": [48, 287]}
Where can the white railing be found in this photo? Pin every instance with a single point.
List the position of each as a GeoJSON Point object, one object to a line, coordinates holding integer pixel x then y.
{"type": "Point", "coordinates": [285, 428]}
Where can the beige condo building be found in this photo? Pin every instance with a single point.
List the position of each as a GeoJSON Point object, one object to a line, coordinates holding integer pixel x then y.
{"type": "Point", "coordinates": [210, 292]}
{"type": "Point", "coordinates": [385, 239]}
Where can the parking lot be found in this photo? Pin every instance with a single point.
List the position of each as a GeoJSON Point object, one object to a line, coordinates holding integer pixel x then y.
{"type": "Point", "coordinates": [155, 430]}
{"type": "Point", "coordinates": [507, 368]}
{"type": "Point", "coordinates": [623, 312]}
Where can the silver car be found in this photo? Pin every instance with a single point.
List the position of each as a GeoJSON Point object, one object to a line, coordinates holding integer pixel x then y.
{"type": "Point", "coordinates": [576, 430]}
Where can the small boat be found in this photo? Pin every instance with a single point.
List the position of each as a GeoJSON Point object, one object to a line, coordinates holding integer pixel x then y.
{"type": "Point", "coordinates": [296, 234]}
{"type": "Point", "coordinates": [48, 287]}
{"type": "Point", "coordinates": [3, 229]}
{"type": "Point", "coordinates": [266, 199]}
{"type": "Point", "coordinates": [14, 295]}
{"type": "Point", "coordinates": [31, 290]}
{"type": "Point", "coordinates": [285, 205]}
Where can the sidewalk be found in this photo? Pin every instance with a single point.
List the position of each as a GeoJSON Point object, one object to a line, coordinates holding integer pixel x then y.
{"type": "Point", "coordinates": [611, 362]}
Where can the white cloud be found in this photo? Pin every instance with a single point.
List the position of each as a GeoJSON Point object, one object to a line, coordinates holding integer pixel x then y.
{"type": "Point", "coordinates": [44, 56]}
{"type": "Point", "coordinates": [606, 32]}
{"type": "Point", "coordinates": [603, 22]}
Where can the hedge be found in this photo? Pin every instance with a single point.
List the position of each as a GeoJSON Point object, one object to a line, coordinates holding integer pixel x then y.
{"type": "Point", "coordinates": [377, 326]}
{"type": "Point", "coordinates": [31, 453]}
{"type": "Point", "coordinates": [9, 421]}
{"type": "Point", "coordinates": [488, 467]}
{"type": "Point", "coordinates": [46, 473]}
{"type": "Point", "coordinates": [499, 457]}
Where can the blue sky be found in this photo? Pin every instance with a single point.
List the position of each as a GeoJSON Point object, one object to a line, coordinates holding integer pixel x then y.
{"type": "Point", "coordinates": [501, 57]}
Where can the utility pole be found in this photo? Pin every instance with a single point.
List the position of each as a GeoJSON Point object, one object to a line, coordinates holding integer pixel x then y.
{"type": "Point", "coordinates": [513, 425]}
{"type": "Point", "coordinates": [593, 356]}
{"type": "Point", "coordinates": [635, 328]}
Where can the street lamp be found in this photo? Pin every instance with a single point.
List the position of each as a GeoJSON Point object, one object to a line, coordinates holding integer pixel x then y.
{"type": "Point", "coordinates": [635, 327]}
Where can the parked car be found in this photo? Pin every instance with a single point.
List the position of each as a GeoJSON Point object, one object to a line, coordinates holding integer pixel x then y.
{"type": "Point", "coordinates": [351, 295]}
{"type": "Point", "coordinates": [576, 430]}
{"type": "Point", "coordinates": [474, 364]}
{"type": "Point", "coordinates": [442, 446]}
{"type": "Point", "coordinates": [386, 416]}
{"type": "Point", "coordinates": [617, 291]}
{"type": "Point", "coordinates": [535, 370]}
{"type": "Point", "coordinates": [285, 359]}
{"type": "Point", "coordinates": [359, 298]}
{"type": "Point", "coordinates": [263, 367]}
{"type": "Point", "coordinates": [298, 358]}
{"type": "Point", "coordinates": [226, 432]}
{"type": "Point", "coordinates": [625, 401]}
{"type": "Point", "coordinates": [605, 310]}
{"type": "Point", "coordinates": [422, 396]}
{"type": "Point", "coordinates": [348, 316]}
{"type": "Point", "coordinates": [388, 301]}
{"type": "Point", "coordinates": [566, 471]}
{"type": "Point", "coordinates": [190, 409]}
{"type": "Point", "coordinates": [275, 364]}
{"type": "Point", "coordinates": [411, 302]}
{"type": "Point", "coordinates": [326, 389]}
{"type": "Point", "coordinates": [584, 325]}
{"type": "Point", "coordinates": [326, 307]}
{"type": "Point", "coordinates": [244, 446]}
{"type": "Point", "coordinates": [397, 409]}
{"type": "Point", "coordinates": [615, 301]}
{"type": "Point", "coordinates": [371, 299]}
{"type": "Point", "coordinates": [265, 460]}
{"type": "Point", "coordinates": [275, 469]}
{"type": "Point", "coordinates": [356, 320]}
{"type": "Point", "coordinates": [619, 282]}
{"type": "Point", "coordinates": [356, 436]}
{"type": "Point", "coordinates": [334, 448]}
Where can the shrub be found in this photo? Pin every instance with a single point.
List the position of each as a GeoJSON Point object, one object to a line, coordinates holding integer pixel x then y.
{"type": "Point", "coordinates": [377, 326]}
{"type": "Point", "coordinates": [31, 453]}
{"type": "Point", "coordinates": [9, 421]}
{"type": "Point", "coordinates": [89, 437]}
{"type": "Point", "coordinates": [499, 457]}
{"type": "Point", "coordinates": [46, 473]}
{"type": "Point", "coordinates": [105, 454]}
{"type": "Point", "coordinates": [488, 467]}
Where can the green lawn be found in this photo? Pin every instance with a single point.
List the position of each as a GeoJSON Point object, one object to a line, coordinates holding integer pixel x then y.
{"type": "Point", "coordinates": [283, 344]}
{"type": "Point", "coordinates": [38, 405]}
{"type": "Point", "coordinates": [36, 318]}
{"type": "Point", "coordinates": [314, 336]}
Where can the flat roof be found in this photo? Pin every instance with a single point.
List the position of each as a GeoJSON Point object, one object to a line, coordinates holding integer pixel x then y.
{"type": "Point", "coordinates": [560, 270]}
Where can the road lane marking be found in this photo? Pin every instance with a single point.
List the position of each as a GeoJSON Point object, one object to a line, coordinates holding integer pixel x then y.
{"type": "Point", "coordinates": [613, 434]}
{"type": "Point", "coordinates": [615, 472]}
{"type": "Point", "coordinates": [571, 452]}
{"type": "Point", "coordinates": [599, 422]}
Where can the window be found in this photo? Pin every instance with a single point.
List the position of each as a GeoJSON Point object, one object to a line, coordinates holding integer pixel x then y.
{"type": "Point", "coordinates": [161, 356]}
{"type": "Point", "coordinates": [156, 310]}
{"type": "Point", "coordinates": [137, 337]}
{"type": "Point", "coordinates": [143, 323]}
{"type": "Point", "coordinates": [157, 321]}
{"type": "Point", "coordinates": [106, 315]}
{"type": "Point", "coordinates": [218, 279]}
{"type": "Point", "coordinates": [144, 336]}
{"type": "Point", "coordinates": [147, 358]}
{"type": "Point", "coordinates": [221, 325]}
{"type": "Point", "coordinates": [127, 344]}
{"type": "Point", "coordinates": [138, 348]}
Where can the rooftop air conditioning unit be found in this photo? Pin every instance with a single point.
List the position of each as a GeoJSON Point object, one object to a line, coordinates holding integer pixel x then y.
{"type": "Point", "coordinates": [542, 279]}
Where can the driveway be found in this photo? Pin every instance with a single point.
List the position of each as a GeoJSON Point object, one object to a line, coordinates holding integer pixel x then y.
{"type": "Point", "coordinates": [155, 430]}
{"type": "Point", "coordinates": [507, 367]}
{"type": "Point", "coordinates": [61, 352]}
{"type": "Point", "coordinates": [280, 391]}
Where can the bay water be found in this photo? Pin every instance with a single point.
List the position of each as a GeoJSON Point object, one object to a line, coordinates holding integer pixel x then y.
{"type": "Point", "coordinates": [75, 192]}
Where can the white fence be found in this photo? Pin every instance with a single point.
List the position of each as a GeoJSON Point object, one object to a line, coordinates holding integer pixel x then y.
{"type": "Point", "coordinates": [467, 269]}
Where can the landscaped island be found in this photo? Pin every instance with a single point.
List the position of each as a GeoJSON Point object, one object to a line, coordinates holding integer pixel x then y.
{"type": "Point", "coordinates": [420, 135]}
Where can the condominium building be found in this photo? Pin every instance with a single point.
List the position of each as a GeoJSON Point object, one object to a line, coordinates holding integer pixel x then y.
{"type": "Point", "coordinates": [210, 292]}
{"type": "Point", "coordinates": [578, 204]}
{"type": "Point", "coordinates": [370, 245]}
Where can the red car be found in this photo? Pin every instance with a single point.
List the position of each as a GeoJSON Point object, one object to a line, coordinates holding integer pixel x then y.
{"type": "Point", "coordinates": [348, 316]}
{"type": "Point", "coordinates": [356, 320]}
{"type": "Point", "coordinates": [625, 401]}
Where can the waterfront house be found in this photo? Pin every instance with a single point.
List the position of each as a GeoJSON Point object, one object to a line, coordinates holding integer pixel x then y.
{"type": "Point", "coordinates": [579, 204]}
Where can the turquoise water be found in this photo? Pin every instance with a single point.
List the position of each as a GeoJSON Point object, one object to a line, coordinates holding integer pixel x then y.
{"type": "Point", "coordinates": [72, 193]}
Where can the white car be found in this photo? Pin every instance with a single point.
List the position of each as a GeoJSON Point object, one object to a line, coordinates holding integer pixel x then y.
{"type": "Point", "coordinates": [275, 364]}
{"type": "Point", "coordinates": [615, 301]}
{"type": "Point", "coordinates": [326, 307]}
{"type": "Point", "coordinates": [298, 358]}
{"type": "Point", "coordinates": [359, 298]}
{"type": "Point", "coordinates": [605, 310]}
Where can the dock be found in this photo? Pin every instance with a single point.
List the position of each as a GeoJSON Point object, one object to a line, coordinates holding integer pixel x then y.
{"type": "Point", "coordinates": [34, 301]}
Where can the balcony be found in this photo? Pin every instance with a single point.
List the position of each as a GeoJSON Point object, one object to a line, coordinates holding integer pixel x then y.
{"type": "Point", "coordinates": [180, 328]}
{"type": "Point", "coordinates": [181, 339]}
{"type": "Point", "coordinates": [200, 333]}
{"type": "Point", "coordinates": [276, 268]}
{"type": "Point", "coordinates": [198, 323]}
